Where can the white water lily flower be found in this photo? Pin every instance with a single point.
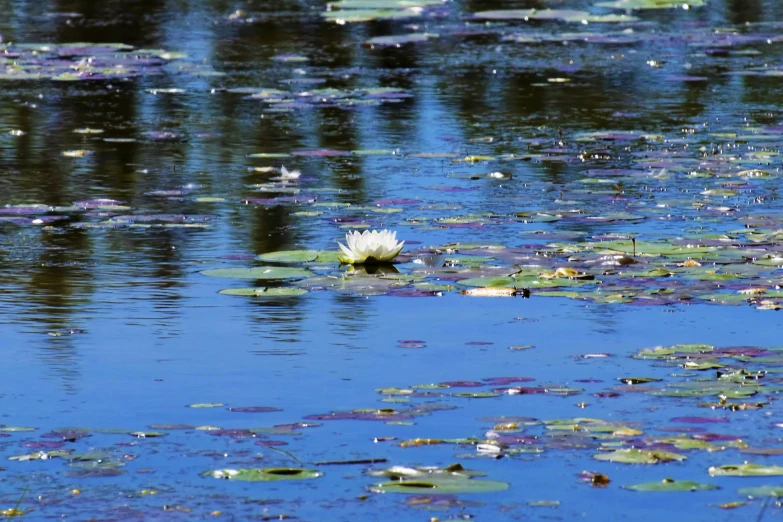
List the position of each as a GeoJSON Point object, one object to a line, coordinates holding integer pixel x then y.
{"type": "Point", "coordinates": [370, 247]}
{"type": "Point", "coordinates": [289, 174]}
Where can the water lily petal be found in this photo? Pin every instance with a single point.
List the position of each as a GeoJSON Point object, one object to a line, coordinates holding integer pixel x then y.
{"type": "Point", "coordinates": [347, 251]}
{"type": "Point", "coordinates": [377, 245]}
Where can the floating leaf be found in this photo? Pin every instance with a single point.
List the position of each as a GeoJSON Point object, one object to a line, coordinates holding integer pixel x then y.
{"type": "Point", "coordinates": [263, 474]}
{"type": "Point", "coordinates": [636, 456]}
{"type": "Point", "coordinates": [746, 469]}
{"type": "Point", "coordinates": [259, 273]}
{"type": "Point", "coordinates": [762, 491]}
{"type": "Point", "coordinates": [439, 487]}
{"type": "Point", "coordinates": [289, 256]}
{"type": "Point", "coordinates": [672, 485]}
{"type": "Point", "coordinates": [254, 409]}
{"type": "Point", "coordinates": [264, 292]}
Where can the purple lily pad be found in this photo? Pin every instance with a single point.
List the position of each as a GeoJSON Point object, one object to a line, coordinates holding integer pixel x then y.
{"type": "Point", "coordinates": [500, 381]}
{"type": "Point", "coordinates": [297, 425]}
{"type": "Point", "coordinates": [463, 384]}
{"type": "Point", "coordinates": [43, 444]}
{"type": "Point", "coordinates": [520, 390]}
{"type": "Point", "coordinates": [747, 351]}
{"type": "Point", "coordinates": [322, 153]}
{"type": "Point", "coordinates": [164, 136]}
{"type": "Point", "coordinates": [171, 427]}
{"type": "Point", "coordinates": [233, 433]}
{"type": "Point", "coordinates": [716, 436]}
{"type": "Point", "coordinates": [95, 203]}
{"type": "Point", "coordinates": [700, 420]}
{"type": "Point", "coordinates": [681, 429]}
{"type": "Point", "coordinates": [350, 415]}
{"type": "Point", "coordinates": [262, 201]}
{"type": "Point", "coordinates": [21, 210]}
{"type": "Point", "coordinates": [385, 202]}
{"type": "Point", "coordinates": [68, 435]}
{"type": "Point", "coordinates": [687, 78]}
{"type": "Point", "coordinates": [412, 292]}
{"type": "Point", "coordinates": [397, 40]}
{"type": "Point", "coordinates": [94, 473]}
{"type": "Point", "coordinates": [515, 440]}
{"type": "Point", "coordinates": [254, 409]}
{"type": "Point", "coordinates": [443, 188]}
{"type": "Point", "coordinates": [411, 345]}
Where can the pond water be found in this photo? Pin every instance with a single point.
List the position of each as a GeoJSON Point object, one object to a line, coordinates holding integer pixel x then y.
{"type": "Point", "coordinates": [619, 160]}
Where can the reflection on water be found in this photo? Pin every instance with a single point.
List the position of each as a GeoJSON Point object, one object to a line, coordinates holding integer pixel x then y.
{"type": "Point", "coordinates": [94, 304]}
{"type": "Point", "coordinates": [201, 139]}
{"type": "Point", "coordinates": [280, 324]}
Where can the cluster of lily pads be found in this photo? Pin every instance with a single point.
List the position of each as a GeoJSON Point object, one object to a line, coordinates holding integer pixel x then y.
{"type": "Point", "coordinates": [722, 244]}
{"type": "Point", "coordinates": [90, 61]}
{"type": "Point", "coordinates": [302, 95]}
{"type": "Point", "coordinates": [351, 11]}
{"type": "Point", "coordinates": [611, 270]}
{"type": "Point", "coordinates": [743, 371]}
{"type": "Point", "coordinates": [731, 375]}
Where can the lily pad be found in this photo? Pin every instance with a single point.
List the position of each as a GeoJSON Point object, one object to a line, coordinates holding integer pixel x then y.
{"type": "Point", "coordinates": [762, 491]}
{"type": "Point", "coordinates": [443, 486]}
{"type": "Point", "coordinates": [263, 474]}
{"type": "Point", "coordinates": [636, 456]}
{"type": "Point", "coordinates": [289, 256]}
{"type": "Point", "coordinates": [672, 485]}
{"type": "Point", "coordinates": [264, 292]}
{"type": "Point", "coordinates": [259, 273]}
{"type": "Point", "coordinates": [745, 469]}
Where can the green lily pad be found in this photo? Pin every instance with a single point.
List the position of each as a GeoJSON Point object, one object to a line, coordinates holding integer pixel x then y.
{"type": "Point", "coordinates": [745, 470]}
{"type": "Point", "coordinates": [689, 444]}
{"type": "Point", "coordinates": [263, 474]}
{"type": "Point", "coordinates": [289, 256]}
{"type": "Point", "coordinates": [763, 491]}
{"type": "Point", "coordinates": [259, 273]}
{"type": "Point", "coordinates": [638, 380]}
{"type": "Point", "coordinates": [705, 365]}
{"type": "Point", "coordinates": [264, 292]}
{"type": "Point", "coordinates": [635, 456]}
{"type": "Point", "coordinates": [148, 434]}
{"type": "Point", "coordinates": [41, 455]}
{"type": "Point", "coordinates": [439, 486]}
{"type": "Point", "coordinates": [671, 485]}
